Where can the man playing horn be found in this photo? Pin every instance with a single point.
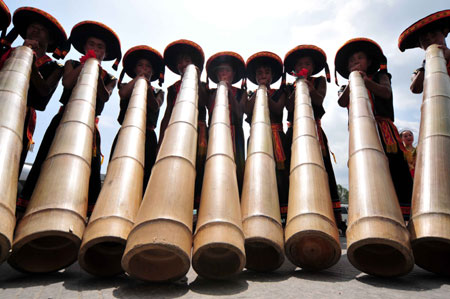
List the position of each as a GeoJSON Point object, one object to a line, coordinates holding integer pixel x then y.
{"type": "Point", "coordinates": [432, 29]}
{"type": "Point", "coordinates": [365, 55]}
{"type": "Point", "coordinates": [177, 56]}
{"type": "Point", "coordinates": [42, 33]}
{"type": "Point", "coordinates": [265, 68]}
{"type": "Point", "coordinates": [229, 67]}
{"type": "Point", "coordinates": [312, 59]}
{"type": "Point", "coordinates": [143, 62]}
{"type": "Point", "coordinates": [95, 40]}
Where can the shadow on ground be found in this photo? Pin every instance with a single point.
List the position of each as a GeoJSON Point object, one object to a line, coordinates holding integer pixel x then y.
{"type": "Point", "coordinates": [342, 277]}
{"type": "Point", "coordinates": [417, 280]}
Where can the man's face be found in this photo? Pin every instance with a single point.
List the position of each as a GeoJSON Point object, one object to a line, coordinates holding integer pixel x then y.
{"type": "Point", "coordinates": [39, 33]}
{"type": "Point", "coordinates": [358, 62]}
{"type": "Point", "coordinates": [430, 37]}
{"type": "Point", "coordinates": [304, 63]}
{"type": "Point", "coordinates": [97, 45]}
{"type": "Point", "coordinates": [225, 73]}
{"type": "Point", "coordinates": [263, 75]}
{"type": "Point", "coordinates": [144, 67]}
{"type": "Point", "coordinates": [183, 61]}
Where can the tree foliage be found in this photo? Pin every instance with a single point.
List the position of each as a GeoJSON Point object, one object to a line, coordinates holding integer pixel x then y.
{"type": "Point", "coordinates": [343, 194]}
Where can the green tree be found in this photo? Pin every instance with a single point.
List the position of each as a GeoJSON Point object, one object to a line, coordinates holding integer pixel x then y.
{"type": "Point", "coordinates": [343, 194]}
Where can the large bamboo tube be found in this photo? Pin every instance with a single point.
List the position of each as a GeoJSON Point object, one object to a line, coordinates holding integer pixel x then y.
{"type": "Point", "coordinates": [430, 222]}
{"type": "Point", "coordinates": [312, 238]}
{"type": "Point", "coordinates": [219, 241]}
{"type": "Point", "coordinates": [260, 207]}
{"type": "Point", "coordinates": [49, 235]}
{"type": "Point", "coordinates": [14, 81]}
{"type": "Point", "coordinates": [106, 235]}
{"type": "Point", "coordinates": [160, 242]}
{"type": "Point", "coordinates": [377, 238]}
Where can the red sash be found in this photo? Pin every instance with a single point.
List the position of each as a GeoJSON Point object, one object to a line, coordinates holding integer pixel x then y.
{"type": "Point", "coordinates": [448, 67]}
{"type": "Point", "coordinates": [31, 126]}
{"type": "Point", "coordinates": [233, 134]}
{"type": "Point", "coordinates": [94, 141]}
{"type": "Point", "coordinates": [202, 143]}
{"type": "Point", "coordinates": [32, 112]}
{"type": "Point", "coordinates": [278, 145]}
{"type": "Point", "coordinates": [389, 131]}
{"type": "Point", "coordinates": [406, 210]}
{"type": "Point", "coordinates": [390, 135]}
{"type": "Point", "coordinates": [320, 136]}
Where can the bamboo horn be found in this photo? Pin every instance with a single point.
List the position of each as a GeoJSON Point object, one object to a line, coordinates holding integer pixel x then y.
{"type": "Point", "coordinates": [377, 239]}
{"type": "Point", "coordinates": [312, 238]}
{"type": "Point", "coordinates": [14, 81]}
{"type": "Point", "coordinates": [106, 235]}
{"type": "Point", "coordinates": [218, 240]}
{"type": "Point", "coordinates": [261, 217]}
{"type": "Point", "coordinates": [49, 235]}
{"type": "Point", "coordinates": [160, 242]}
{"type": "Point", "coordinates": [430, 222]}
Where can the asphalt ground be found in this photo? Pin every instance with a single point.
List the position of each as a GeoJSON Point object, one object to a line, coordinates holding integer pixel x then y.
{"type": "Point", "coordinates": [339, 281]}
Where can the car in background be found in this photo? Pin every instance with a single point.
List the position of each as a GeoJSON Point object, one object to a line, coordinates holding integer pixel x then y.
{"type": "Point", "coordinates": [344, 212]}
{"type": "Point", "coordinates": [23, 177]}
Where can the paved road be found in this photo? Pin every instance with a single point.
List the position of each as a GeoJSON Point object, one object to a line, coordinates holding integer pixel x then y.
{"type": "Point", "coordinates": [340, 281]}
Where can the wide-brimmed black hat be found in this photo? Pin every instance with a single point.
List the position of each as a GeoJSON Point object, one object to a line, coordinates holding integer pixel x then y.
{"type": "Point", "coordinates": [366, 45]}
{"type": "Point", "coordinates": [410, 37]}
{"type": "Point", "coordinates": [266, 58]}
{"type": "Point", "coordinates": [183, 46]}
{"type": "Point", "coordinates": [24, 16]}
{"type": "Point", "coordinates": [317, 55]}
{"type": "Point", "coordinates": [234, 59]}
{"type": "Point", "coordinates": [83, 30]}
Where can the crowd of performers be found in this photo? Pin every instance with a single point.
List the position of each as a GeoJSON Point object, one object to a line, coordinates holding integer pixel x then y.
{"type": "Point", "coordinates": [44, 34]}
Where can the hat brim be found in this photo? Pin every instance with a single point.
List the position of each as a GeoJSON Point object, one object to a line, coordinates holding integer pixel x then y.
{"type": "Point", "coordinates": [5, 16]}
{"type": "Point", "coordinates": [409, 38]}
{"type": "Point", "coordinates": [368, 46]}
{"type": "Point", "coordinates": [234, 59]}
{"type": "Point", "coordinates": [24, 16]}
{"type": "Point", "coordinates": [186, 47]}
{"type": "Point", "coordinates": [133, 55]}
{"type": "Point", "coordinates": [84, 30]}
{"type": "Point", "coordinates": [317, 55]}
{"type": "Point", "coordinates": [269, 59]}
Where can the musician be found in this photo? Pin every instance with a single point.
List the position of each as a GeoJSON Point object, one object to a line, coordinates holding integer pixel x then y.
{"type": "Point", "coordinates": [265, 68]}
{"type": "Point", "coordinates": [411, 153]}
{"type": "Point", "coordinates": [229, 67]}
{"type": "Point", "coordinates": [366, 56]}
{"type": "Point", "coordinates": [143, 62]}
{"type": "Point", "coordinates": [42, 33]}
{"type": "Point", "coordinates": [306, 61]}
{"type": "Point", "coordinates": [432, 29]}
{"type": "Point", "coordinates": [93, 39]}
{"type": "Point", "coordinates": [177, 56]}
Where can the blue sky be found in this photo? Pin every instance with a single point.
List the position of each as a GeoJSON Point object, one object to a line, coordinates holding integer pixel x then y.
{"type": "Point", "coordinates": [248, 27]}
